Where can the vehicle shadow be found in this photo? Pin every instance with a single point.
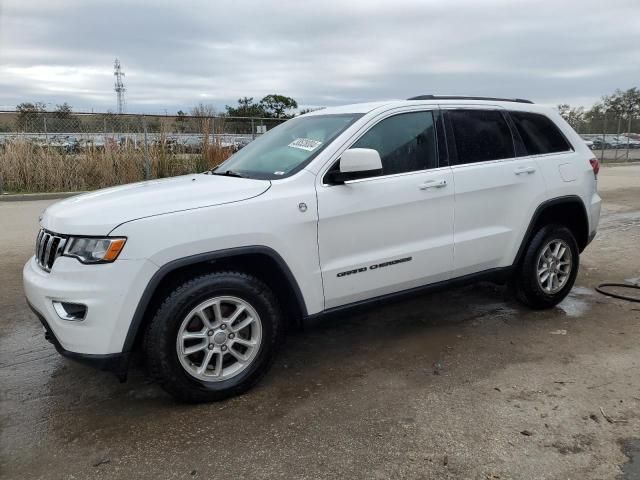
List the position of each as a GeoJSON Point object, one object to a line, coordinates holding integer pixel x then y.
{"type": "Point", "coordinates": [346, 344]}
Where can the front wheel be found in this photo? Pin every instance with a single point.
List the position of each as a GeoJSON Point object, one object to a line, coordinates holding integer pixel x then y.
{"type": "Point", "coordinates": [213, 337]}
{"type": "Point", "coordinates": [549, 268]}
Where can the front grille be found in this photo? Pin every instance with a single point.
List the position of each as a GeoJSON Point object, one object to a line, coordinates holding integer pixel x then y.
{"type": "Point", "coordinates": [49, 246]}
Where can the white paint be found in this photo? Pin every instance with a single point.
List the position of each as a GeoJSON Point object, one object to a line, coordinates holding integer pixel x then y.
{"type": "Point", "coordinates": [475, 220]}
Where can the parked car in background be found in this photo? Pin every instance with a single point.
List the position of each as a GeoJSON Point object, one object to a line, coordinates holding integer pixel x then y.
{"type": "Point", "coordinates": [610, 141]}
{"type": "Point", "coordinates": [189, 144]}
{"type": "Point", "coordinates": [242, 142]}
{"type": "Point", "coordinates": [92, 142]}
{"type": "Point", "coordinates": [63, 143]}
{"type": "Point", "coordinates": [626, 141]}
{"type": "Point", "coordinates": [600, 144]}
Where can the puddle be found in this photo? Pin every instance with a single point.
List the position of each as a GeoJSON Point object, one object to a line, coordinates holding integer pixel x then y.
{"type": "Point", "coordinates": [631, 469]}
{"type": "Point", "coordinates": [575, 306]}
{"type": "Point", "coordinates": [582, 291]}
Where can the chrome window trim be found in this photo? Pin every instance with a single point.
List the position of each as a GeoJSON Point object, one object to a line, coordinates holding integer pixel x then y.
{"type": "Point", "coordinates": [393, 175]}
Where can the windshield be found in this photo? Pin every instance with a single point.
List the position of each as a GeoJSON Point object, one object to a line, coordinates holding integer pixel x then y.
{"type": "Point", "coordinates": [287, 148]}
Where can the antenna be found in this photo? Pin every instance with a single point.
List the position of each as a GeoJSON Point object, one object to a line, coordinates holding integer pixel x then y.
{"type": "Point", "coordinates": [119, 85]}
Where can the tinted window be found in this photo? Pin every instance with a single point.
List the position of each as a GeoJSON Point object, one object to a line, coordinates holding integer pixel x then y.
{"type": "Point", "coordinates": [405, 142]}
{"type": "Point", "coordinates": [481, 135]}
{"type": "Point", "coordinates": [539, 134]}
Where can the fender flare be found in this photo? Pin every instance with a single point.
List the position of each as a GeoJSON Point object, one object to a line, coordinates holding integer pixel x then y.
{"type": "Point", "coordinates": [567, 199]}
{"type": "Point", "coordinates": [167, 268]}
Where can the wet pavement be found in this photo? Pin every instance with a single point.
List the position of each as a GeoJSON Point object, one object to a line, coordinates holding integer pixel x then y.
{"type": "Point", "coordinates": [631, 469]}
{"type": "Point", "coordinates": [462, 384]}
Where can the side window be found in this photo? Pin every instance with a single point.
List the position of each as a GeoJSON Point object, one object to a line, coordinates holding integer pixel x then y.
{"type": "Point", "coordinates": [539, 134]}
{"type": "Point", "coordinates": [481, 135]}
{"type": "Point", "coordinates": [405, 142]}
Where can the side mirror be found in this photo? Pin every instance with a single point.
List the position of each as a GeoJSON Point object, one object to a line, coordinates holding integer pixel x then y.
{"type": "Point", "coordinates": [356, 163]}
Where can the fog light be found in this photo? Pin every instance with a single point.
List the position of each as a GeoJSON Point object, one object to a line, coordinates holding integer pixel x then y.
{"type": "Point", "coordinates": [74, 312]}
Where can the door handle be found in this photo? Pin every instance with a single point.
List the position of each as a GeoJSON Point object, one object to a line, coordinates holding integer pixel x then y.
{"type": "Point", "coordinates": [433, 184]}
{"type": "Point", "coordinates": [528, 170]}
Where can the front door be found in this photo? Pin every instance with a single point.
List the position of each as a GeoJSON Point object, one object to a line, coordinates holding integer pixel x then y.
{"type": "Point", "coordinates": [393, 231]}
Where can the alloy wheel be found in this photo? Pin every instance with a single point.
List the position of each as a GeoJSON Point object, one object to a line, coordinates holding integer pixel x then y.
{"type": "Point", "coordinates": [554, 266]}
{"type": "Point", "coordinates": [219, 339]}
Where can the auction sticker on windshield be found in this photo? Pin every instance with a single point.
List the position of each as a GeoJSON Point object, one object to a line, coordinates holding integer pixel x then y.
{"type": "Point", "coordinates": [307, 144]}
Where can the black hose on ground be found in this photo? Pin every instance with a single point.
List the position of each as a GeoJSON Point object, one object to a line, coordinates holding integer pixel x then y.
{"type": "Point", "coordinates": [600, 288]}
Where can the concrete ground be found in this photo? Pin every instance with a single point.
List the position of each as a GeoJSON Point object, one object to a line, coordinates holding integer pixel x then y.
{"type": "Point", "coordinates": [618, 155]}
{"type": "Point", "coordinates": [463, 384]}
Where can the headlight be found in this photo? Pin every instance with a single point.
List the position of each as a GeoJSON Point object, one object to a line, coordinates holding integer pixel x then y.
{"type": "Point", "coordinates": [94, 250]}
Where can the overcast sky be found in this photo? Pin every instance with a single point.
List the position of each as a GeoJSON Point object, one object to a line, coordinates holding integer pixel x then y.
{"type": "Point", "coordinates": [325, 52]}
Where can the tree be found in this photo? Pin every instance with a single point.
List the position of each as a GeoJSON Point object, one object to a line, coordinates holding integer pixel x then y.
{"type": "Point", "coordinates": [607, 115]}
{"type": "Point", "coordinates": [271, 106]}
{"type": "Point", "coordinates": [28, 114]}
{"type": "Point", "coordinates": [63, 120]}
{"type": "Point", "coordinates": [595, 118]}
{"type": "Point", "coordinates": [309, 110]}
{"type": "Point", "coordinates": [62, 111]}
{"type": "Point", "coordinates": [278, 106]}
{"type": "Point", "coordinates": [30, 107]}
{"type": "Point", "coordinates": [624, 104]}
{"type": "Point", "coordinates": [573, 115]}
{"type": "Point", "coordinates": [246, 108]}
{"type": "Point", "coordinates": [181, 119]}
{"type": "Point", "coordinates": [203, 110]}
{"type": "Point", "coordinates": [204, 123]}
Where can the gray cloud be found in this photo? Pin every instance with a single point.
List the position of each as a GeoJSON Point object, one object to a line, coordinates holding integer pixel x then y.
{"type": "Point", "coordinates": [322, 53]}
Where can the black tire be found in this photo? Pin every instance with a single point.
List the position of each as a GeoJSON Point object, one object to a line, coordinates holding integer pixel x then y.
{"type": "Point", "coordinates": [528, 289]}
{"type": "Point", "coordinates": [163, 363]}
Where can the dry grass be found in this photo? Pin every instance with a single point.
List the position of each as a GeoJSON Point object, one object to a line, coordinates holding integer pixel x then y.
{"type": "Point", "coordinates": [25, 168]}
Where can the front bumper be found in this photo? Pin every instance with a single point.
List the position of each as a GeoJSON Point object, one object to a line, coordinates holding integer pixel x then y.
{"type": "Point", "coordinates": [117, 363]}
{"type": "Point", "coordinates": [111, 293]}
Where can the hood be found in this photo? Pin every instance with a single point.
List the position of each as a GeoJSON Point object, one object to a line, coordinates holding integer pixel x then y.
{"type": "Point", "coordinates": [97, 213]}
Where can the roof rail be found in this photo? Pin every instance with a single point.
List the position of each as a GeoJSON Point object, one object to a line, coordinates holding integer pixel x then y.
{"type": "Point", "coordinates": [462, 97]}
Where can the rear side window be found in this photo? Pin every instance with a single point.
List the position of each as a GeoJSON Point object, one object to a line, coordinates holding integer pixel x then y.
{"type": "Point", "coordinates": [480, 135]}
{"type": "Point", "coordinates": [405, 142]}
{"type": "Point", "coordinates": [539, 134]}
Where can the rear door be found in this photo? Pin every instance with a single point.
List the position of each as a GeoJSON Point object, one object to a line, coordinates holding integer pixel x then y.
{"type": "Point", "coordinates": [495, 191]}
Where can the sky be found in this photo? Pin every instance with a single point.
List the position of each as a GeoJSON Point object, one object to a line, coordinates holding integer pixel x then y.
{"type": "Point", "coordinates": [178, 54]}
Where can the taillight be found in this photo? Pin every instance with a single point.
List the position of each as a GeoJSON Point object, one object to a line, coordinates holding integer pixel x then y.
{"type": "Point", "coordinates": [595, 165]}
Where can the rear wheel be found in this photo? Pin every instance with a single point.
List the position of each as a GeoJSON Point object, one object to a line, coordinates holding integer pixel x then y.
{"type": "Point", "coordinates": [213, 337]}
{"type": "Point", "coordinates": [549, 268]}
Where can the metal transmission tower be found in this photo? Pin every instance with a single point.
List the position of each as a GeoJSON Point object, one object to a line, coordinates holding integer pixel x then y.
{"type": "Point", "coordinates": [119, 85]}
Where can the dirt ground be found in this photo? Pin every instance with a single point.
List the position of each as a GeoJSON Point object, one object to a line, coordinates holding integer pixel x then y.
{"type": "Point", "coordinates": [463, 384]}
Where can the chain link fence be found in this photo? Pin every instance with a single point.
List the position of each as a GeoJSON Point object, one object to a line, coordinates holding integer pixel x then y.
{"type": "Point", "coordinates": [611, 137]}
{"type": "Point", "coordinates": [49, 151]}
{"type": "Point", "coordinates": [46, 151]}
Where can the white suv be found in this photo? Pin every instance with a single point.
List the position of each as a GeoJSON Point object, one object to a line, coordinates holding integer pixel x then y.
{"type": "Point", "coordinates": [331, 210]}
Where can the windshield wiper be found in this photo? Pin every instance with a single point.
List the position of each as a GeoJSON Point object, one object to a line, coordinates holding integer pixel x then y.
{"type": "Point", "coordinates": [228, 173]}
